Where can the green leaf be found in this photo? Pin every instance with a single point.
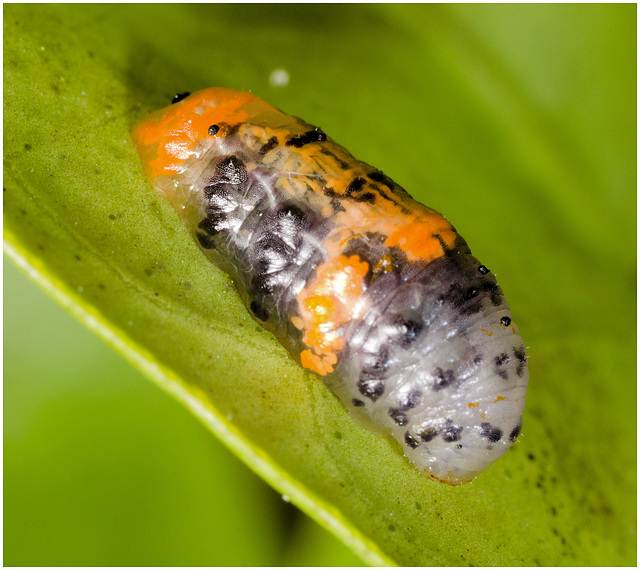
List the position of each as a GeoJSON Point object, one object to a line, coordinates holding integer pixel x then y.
{"type": "Point", "coordinates": [517, 122]}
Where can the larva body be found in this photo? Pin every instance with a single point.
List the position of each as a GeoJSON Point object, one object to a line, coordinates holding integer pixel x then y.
{"type": "Point", "coordinates": [369, 289]}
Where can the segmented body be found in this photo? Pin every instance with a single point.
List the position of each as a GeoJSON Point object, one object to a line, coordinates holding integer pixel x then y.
{"type": "Point", "coordinates": [364, 286]}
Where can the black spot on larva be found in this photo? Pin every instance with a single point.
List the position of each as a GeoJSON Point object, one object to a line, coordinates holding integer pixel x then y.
{"type": "Point", "coordinates": [500, 361]}
{"type": "Point", "coordinates": [399, 417]}
{"type": "Point", "coordinates": [483, 270]}
{"type": "Point", "coordinates": [411, 441]}
{"type": "Point", "coordinates": [443, 379]}
{"type": "Point", "coordinates": [259, 311]}
{"type": "Point", "coordinates": [357, 403]}
{"type": "Point", "coordinates": [379, 176]}
{"type": "Point", "coordinates": [343, 165]}
{"type": "Point", "coordinates": [179, 97]}
{"type": "Point", "coordinates": [409, 400]}
{"type": "Point", "coordinates": [477, 359]}
{"type": "Point", "coordinates": [492, 433]}
{"type": "Point", "coordinates": [365, 197]}
{"type": "Point", "coordinates": [450, 432]}
{"type": "Point", "coordinates": [515, 433]}
{"type": "Point", "coordinates": [371, 388]}
{"type": "Point", "coordinates": [428, 434]}
{"type": "Point", "coordinates": [506, 321]}
{"type": "Point", "coordinates": [370, 383]}
{"type": "Point", "coordinates": [269, 145]}
{"type": "Point", "coordinates": [354, 186]}
{"type": "Point", "coordinates": [205, 241]}
{"type": "Point", "coordinates": [213, 130]}
{"type": "Point", "coordinates": [298, 141]}
{"type": "Point", "coordinates": [408, 330]}
{"type": "Point", "coordinates": [521, 357]}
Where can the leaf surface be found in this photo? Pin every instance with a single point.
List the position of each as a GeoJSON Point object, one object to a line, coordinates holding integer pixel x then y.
{"type": "Point", "coordinates": [530, 154]}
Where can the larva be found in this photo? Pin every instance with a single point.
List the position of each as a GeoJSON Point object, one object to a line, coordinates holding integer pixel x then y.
{"type": "Point", "coordinates": [374, 292]}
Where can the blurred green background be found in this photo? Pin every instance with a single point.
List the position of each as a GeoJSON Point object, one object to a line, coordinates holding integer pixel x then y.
{"type": "Point", "coordinates": [103, 469]}
{"type": "Point", "coordinates": [518, 122]}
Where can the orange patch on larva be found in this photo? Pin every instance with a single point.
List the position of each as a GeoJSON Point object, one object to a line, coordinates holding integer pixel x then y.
{"type": "Point", "coordinates": [422, 237]}
{"type": "Point", "coordinates": [168, 137]}
{"type": "Point", "coordinates": [331, 300]}
{"type": "Point", "coordinates": [473, 405]}
{"type": "Point", "coordinates": [499, 399]}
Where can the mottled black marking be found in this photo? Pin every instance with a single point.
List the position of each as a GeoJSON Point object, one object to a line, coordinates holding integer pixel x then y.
{"type": "Point", "coordinates": [271, 254]}
{"type": "Point", "coordinates": [515, 433]}
{"type": "Point", "coordinates": [343, 165]}
{"type": "Point", "coordinates": [398, 416]}
{"type": "Point", "coordinates": [276, 248]}
{"type": "Point", "coordinates": [355, 186]}
{"type": "Point", "coordinates": [269, 145]}
{"type": "Point", "coordinates": [443, 379]}
{"type": "Point", "coordinates": [329, 192]}
{"type": "Point", "coordinates": [232, 171]}
{"type": "Point", "coordinates": [353, 189]}
{"type": "Point", "coordinates": [468, 300]}
{"type": "Point", "coordinates": [450, 432]}
{"type": "Point", "coordinates": [492, 433]}
{"type": "Point", "coordinates": [411, 441]}
{"type": "Point", "coordinates": [262, 285]}
{"type": "Point", "coordinates": [500, 361]}
{"type": "Point", "coordinates": [213, 130]}
{"type": "Point", "coordinates": [410, 330]}
{"type": "Point", "coordinates": [371, 388]}
{"type": "Point", "coordinates": [370, 383]}
{"type": "Point", "coordinates": [380, 192]}
{"type": "Point", "coordinates": [205, 241]}
{"type": "Point", "coordinates": [365, 197]}
{"type": "Point", "coordinates": [215, 222]}
{"type": "Point", "coordinates": [381, 177]}
{"type": "Point", "coordinates": [337, 205]}
{"type": "Point", "coordinates": [179, 97]}
{"type": "Point", "coordinates": [259, 311]}
{"type": "Point", "coordinates": [521, 357]}
{"type": "Point", "coordinates": [483, 270]}
{"type": "Point", "coordinates": [409, 401]}
{"type": "Point", "coordinates": [506, 321]}
{"type": "Point", "coordinates": [428, 434]}
{"type": "Point", "coordinates": [298, 141]}
{"type": "Point", "coordinates": [289, 223]}
{"type": "Point", "coordinates": [357, 403]}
